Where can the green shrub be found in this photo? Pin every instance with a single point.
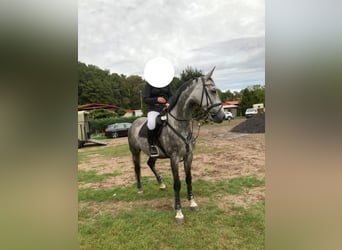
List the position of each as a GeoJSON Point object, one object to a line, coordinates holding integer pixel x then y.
{"type": "Point", "coordinates": [101, 114]}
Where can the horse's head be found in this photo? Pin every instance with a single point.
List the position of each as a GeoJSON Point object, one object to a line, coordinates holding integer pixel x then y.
{"type": "Point", "coordinates": [209, 98]}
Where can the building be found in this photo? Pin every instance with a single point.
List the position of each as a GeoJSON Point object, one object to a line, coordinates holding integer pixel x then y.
{"type": "Point", "coordinates": [133, 112]}
{"type": "Point", "coordinates": [232, 106]}
{"type": "Point", "coordinates": [99, 106]}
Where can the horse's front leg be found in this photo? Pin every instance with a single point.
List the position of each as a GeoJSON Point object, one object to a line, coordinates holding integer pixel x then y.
{"type": "Point", "coordinates": [176, 187]}
{"type": "Point", "coordinates": [188, 178]}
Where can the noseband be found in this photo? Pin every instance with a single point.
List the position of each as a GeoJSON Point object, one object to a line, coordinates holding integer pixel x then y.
{"type": "Point", "coordinates": [210, 104]}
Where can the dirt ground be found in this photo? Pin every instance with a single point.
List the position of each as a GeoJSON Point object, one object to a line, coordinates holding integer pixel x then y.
{"type": "Point", "coordinates": [219, 154]}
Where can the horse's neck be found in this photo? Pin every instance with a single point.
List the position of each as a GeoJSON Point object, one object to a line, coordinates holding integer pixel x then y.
{"type": "Point", "coordinates": [184, 106]}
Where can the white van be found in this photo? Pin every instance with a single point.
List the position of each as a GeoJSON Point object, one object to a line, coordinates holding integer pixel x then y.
{"type": "Point", "coordinates": [250, 112]}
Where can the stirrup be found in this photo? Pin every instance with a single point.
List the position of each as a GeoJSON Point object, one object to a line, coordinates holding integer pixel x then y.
{"type": "Point", "coordinates": [154, 151]}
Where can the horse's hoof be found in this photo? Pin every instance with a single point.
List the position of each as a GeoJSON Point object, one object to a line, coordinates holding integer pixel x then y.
{"type": "Point", "coordinates": [180, 220]}
{"type": "Point", "coordinates": [195, 208]}
{"type": "Point", "coordinates": [179, 217]}
{"type": "Point", "coordinates": [140, 192]}
{"type": "Point", "coordinates": [162, 186]}
{"type": "Point", "coordinates": [193, 205]}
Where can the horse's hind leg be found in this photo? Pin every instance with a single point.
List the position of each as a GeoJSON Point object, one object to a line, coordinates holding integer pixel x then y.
{"type": "Point", "coordinates": [151, 163]}
{"type": "Point", "coordinates": [137, 169]}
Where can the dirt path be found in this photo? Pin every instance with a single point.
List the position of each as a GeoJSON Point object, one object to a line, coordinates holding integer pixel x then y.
{"type": "Point", "coordinates": [219, 154]}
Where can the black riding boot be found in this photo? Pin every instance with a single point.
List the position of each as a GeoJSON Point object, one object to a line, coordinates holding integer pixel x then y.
{"type": "Point", "coordinates": [151, 139]}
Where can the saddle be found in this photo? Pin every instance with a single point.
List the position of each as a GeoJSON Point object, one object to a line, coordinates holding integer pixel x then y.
{"type": "Point", "coordinates": [160, 123]}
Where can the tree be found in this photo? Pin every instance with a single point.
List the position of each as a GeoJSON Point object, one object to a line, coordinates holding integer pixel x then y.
{"type": "Point", "coordinates": [187, 74]}
{"type": "Point", "coordinates": [259, 92]}
{"type": "Point", "coordinates": [175, 84]}
{"type": "Point", "coordinates": [94, 84]}
{"type": "Point", "coordinates": [99, 86]}
{"type": "Point", "coordinates": [133, 85]}
{"type": "Point", "coordinates": [190, 73]}
{"type": "Point", "coordinates": [252, 95]}
{"type": "Point", "coordinates": [227, 96]}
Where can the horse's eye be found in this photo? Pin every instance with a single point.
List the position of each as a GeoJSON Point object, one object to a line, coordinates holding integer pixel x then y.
{"type": "Point", "coordinates": [213, 91]}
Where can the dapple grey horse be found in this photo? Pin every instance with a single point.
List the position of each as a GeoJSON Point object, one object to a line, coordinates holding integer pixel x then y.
{"type": "Point", "coordinates": [176, 140]}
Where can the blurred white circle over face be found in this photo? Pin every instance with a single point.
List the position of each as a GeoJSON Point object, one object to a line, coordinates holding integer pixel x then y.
{"type": "Point", "coordinates": [159, 72]}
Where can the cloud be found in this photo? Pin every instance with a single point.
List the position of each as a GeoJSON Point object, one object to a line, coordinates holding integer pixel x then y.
{"type": "Point", "coordinates": [123, 35]}
{"type": "Point", "coordinates": [237, 61]}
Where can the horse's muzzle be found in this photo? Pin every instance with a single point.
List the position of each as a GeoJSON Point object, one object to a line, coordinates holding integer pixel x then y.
{"type": "Point", "coordinates": [217, 117]}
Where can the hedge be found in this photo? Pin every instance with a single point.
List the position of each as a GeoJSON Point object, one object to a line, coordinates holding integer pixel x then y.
{"type": "Point", "coordinates": [99, 125]}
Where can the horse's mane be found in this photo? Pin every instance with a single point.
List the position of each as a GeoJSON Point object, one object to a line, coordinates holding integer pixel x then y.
{"type": "Point", "coordinates": [174, 99]}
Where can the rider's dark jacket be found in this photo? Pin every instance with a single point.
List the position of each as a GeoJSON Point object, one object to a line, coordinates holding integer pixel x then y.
{"type": "Point", "coordinates": [151, 95]}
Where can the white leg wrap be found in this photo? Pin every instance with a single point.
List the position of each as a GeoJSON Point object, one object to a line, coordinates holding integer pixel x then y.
{"type": "Point", "coordinates": [179, 216]}
{"type": "Point", "coordinates": [193, 205]}
{"type": "Point", "coordinates": [162, 186]}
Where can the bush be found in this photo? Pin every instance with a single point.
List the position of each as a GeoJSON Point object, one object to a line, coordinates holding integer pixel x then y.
{"type": "Point", "coordinates": [99, 125]}
{"type": "Point", "coordinates": [101, 114]}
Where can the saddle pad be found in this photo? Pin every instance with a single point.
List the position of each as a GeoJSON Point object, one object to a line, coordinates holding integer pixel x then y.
{"type": "Point", "coordinates": [143, 134]}
{"type": "Point", "coordinates": [143, 131]}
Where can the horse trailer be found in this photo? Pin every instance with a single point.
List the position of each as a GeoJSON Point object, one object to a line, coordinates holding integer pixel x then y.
{"type": "Point", "coordinates": [84, 131]}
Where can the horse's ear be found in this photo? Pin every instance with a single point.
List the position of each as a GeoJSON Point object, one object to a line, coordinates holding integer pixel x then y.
{"type": "Point", "coordinates": [207, 76]}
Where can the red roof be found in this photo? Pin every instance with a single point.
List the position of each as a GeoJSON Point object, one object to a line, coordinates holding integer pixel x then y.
{"type": "Point", "coordinates": [92, 106]}
{"type": "Point", "coordinates": [231, 103]}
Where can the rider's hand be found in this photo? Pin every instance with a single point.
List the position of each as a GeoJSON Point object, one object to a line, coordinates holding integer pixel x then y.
{"type": "Point", "coordinates": [161, 100]}
{"type": "Point", "coordinates": [167, 105]}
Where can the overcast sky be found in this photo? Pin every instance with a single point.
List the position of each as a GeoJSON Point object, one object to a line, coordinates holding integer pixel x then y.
{"type": "Point", "coordinates": [122, 35]}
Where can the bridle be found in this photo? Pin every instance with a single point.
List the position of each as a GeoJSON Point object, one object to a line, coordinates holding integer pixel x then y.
{"type": "Point", "coordinates": [208, 99]}
{"type": "Point", "coordinates": [210, 105]}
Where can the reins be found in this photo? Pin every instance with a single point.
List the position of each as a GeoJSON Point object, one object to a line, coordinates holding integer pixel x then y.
{"type": "Point", "coordinates": [190, 137]}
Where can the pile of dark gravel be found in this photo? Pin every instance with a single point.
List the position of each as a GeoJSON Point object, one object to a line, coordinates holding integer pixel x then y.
{"type": "Point", "coordinates": [255, 124]}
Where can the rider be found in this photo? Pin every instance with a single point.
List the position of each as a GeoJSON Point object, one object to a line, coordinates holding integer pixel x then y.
{"type": "Point", "coordinates": [157, 99]}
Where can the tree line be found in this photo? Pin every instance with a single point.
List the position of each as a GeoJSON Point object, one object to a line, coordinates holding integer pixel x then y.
{"type": "Point", "coordinates": [96, 85]}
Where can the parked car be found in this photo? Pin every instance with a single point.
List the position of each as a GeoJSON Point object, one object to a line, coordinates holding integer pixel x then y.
{"type": "Point", "coordinates": [117, 129]}
{"type": "Point", "coordinates": [250, 112]}
{"type": "Point", "coordinates": [228, 115]}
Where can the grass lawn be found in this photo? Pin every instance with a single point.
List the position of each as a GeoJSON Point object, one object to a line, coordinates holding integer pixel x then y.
{"type": "Point", "coordinates": [145, 227]}
{"type": "Point", "coordinates": [119, 218]}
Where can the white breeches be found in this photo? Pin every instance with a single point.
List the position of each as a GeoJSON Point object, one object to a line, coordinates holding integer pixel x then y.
{"type": "Point", "coordinates": [151, 119]}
